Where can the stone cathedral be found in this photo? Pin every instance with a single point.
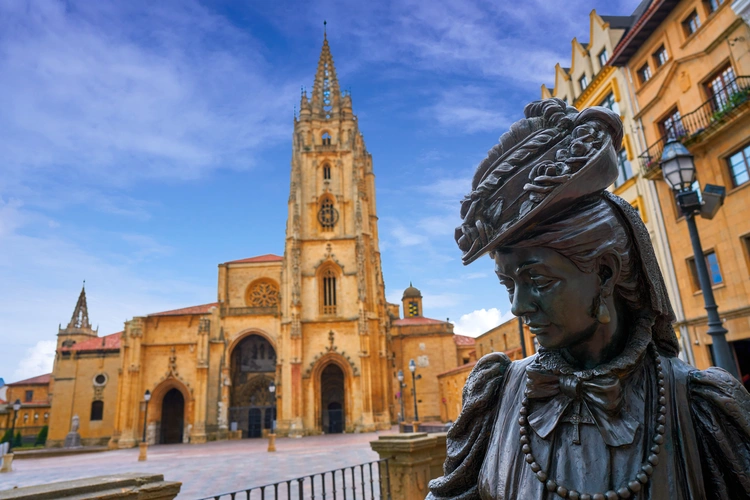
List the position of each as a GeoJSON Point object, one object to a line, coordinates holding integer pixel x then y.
{"type": "Point", "coordinates": [305, 341]}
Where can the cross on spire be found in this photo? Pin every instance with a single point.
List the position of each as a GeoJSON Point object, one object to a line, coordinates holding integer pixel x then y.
{"type": "Point", "coordinates": [80, 318]}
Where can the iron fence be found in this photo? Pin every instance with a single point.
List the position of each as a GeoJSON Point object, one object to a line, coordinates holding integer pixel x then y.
{"type": "Point", "coordinates": [712, 112]}
{"type": "Point", "coordinates": [367, 481]}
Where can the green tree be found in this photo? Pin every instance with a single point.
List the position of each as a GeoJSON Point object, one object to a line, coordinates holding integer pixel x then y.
{"type": "Point", "coordinates": [7, 436]}
{"type": "Point", "coordinates": [41, 438]}
{"type": "Point", "coordinates": [18, 441]}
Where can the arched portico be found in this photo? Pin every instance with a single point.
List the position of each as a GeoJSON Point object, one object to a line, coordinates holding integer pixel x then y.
{"type": "Point", "coordinates": [252, 406]}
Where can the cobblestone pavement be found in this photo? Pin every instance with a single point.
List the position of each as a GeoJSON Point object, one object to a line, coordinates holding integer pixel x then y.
{"type": "Point", "coordinates": [209, 468]}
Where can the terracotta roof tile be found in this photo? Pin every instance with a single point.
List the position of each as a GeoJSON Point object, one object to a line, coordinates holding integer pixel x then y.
{"type": "Point", "coordinates": [467, 366]}
{"type": "Point", "coordinates": [107, 343]}
{"type": "Point", "coordinates": [417, 321]}
{"type": "Point", "coordinates": [38, 380]}
{"type": "Point", "coordinates": [464, 340]}
{"type": "Point", "coordinates": [202, 309]}
{"type": "Point", "coordinates": [260, 258]}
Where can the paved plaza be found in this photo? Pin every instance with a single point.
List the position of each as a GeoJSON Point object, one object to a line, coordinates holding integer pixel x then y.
{"type": "Point", "coordinates": [208, 468]}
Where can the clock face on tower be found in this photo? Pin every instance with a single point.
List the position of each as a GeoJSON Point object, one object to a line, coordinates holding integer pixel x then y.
{"type": "Point", "coordinates": [328, 216]}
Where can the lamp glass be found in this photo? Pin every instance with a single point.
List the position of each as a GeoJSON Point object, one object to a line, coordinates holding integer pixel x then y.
{"type": "Point", "coordinates": [147, 395]}
{"type": "Point", "coordinates": [400, 375]}
{"type": "Point", "coordinates": [412, 366]}
{"type": "Point", "coordinates": [677, 166]}
{"type": "Point", "coordinates": [17, 405]}
{"type": "Point", "coordinates": [272, 387]}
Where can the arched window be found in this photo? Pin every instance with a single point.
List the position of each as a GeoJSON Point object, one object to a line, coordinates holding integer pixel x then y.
{"type": "Point", "coordinates": [326, 139]}
{"type": "Point", "coordinates": [97, 410]}
{"type": "Point", "coordinates": [328, 292]}
{"type": "Point", "coordinates": [262, 293]}
{"type": "Point", "coordinates": [327, 215]}
{"type": "Point", "coordinates": [326, 172]}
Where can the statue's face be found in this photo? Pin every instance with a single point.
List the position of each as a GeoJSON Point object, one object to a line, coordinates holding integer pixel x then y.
{"type": "Point", "coordinates": [550, 293]}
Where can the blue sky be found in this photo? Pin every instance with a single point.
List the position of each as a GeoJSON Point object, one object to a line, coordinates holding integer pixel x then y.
{"type": "Point", "coordinates": [143, 143]}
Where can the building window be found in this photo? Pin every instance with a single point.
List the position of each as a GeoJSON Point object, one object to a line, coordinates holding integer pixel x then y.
{"type": "Point", "coordinates": [263, 293]}
{"type": "Point", "coordinates": [671, 126]}
{"type": "Point", "coordinates": [644, 73]}
{"type": "Point", "coordinates": [28, 396]}
{"type": "Point", "coordinates": [327, 215]}
{"type": "Point", "coordinates": [721, 87]}
{"type": "Point", "coordinates": [714, 273]}
{"type": "Point", "coordinates": [691, 23]}
{"type": "Point", "coordinates": [97, 410]}
{"type": "Point", "coordinates": [624, 169]}
{"type": "Point", "coordinates": [603, 58]}
{"type": "Point", "coordinates": [329, 292]}
{"type": "Point", "coordinates": [746, 244]}
{"type": "Point", "coordinates": [583, 82]}
{"type": "Point", "coordinates": [712, 5]}
{"type": "Point", "coordinates": [609, 102]}
{"type": "Point", "coordinates": [660, 56]}
{"type": "Point", "coordinates": [739, 166]}
{"type": "Point", "coordinates": [413, 308]}
{"type": "Point", "coordinates": [326, 139]}
{"type": "Point", "coordinates": [326, 172]}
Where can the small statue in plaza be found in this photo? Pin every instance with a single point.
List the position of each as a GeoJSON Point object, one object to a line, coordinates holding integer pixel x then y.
{"type": "Point", "coordinates": [605, 410]}
{"type": "Point", "coordinates": [75, 423]}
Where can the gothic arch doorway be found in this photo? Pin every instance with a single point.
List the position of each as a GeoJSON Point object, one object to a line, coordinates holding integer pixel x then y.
{"type": "Point", "coordinates": [253, 368]}
{"type": "Point", "coordinates": [172, 417]}
{"type": "Point", "coordinates": [332, 399]}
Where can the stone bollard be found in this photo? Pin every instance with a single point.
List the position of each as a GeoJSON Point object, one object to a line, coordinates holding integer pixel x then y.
{"type": "Point", "coordinates": [413, 459]}
{"type": "Point", "coordinates": [7, 465]}
{"type": "Point", "coordinates": [143, 452]}
{"type": "Point", "coordinates": [272, 442]}
{"type": "Point", "coordinates": [415, 426]}
{"type": "Point", "coordinates": [125, 486]}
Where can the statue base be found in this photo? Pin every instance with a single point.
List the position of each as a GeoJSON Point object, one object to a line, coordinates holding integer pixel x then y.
{"type": "Point", "coordinates": [72, 440]}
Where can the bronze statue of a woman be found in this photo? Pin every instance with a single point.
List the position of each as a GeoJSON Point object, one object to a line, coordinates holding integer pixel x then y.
{"type": "Point", "coordinates": [605, 410]}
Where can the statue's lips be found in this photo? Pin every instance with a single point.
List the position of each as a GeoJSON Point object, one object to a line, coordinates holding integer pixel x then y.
{"type": "Point", "coordinates": [537, 328]}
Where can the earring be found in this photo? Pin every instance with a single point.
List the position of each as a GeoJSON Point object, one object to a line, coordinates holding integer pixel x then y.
{"type": "Point", "coordinates": [602, 312]}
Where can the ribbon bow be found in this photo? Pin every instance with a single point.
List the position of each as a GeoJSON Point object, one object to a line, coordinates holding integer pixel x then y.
{"type": "Point", "coordinates": [601, 395]}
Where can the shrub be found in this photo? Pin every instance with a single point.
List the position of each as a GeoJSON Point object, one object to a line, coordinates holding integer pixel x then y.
{"type": "Point", "coordinates": [7, 436]}
{"type": "Point", "coordinates": [41, 438]}
{"type": "Point", "coordinates": [18, 440]}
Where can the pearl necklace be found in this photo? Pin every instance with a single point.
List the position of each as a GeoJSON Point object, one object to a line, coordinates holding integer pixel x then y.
{"type": "Point", "coordinates": [641, 478]}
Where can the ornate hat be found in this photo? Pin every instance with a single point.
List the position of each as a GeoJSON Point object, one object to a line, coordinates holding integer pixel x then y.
{"type": "Point", "coordinates": [546, 161]}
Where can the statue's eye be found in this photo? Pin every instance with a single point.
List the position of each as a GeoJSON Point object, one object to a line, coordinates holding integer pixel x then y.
{"type": "Point", "coordinates": [509, 286]}
{"type": "Point", "coordinates": [542, 282]}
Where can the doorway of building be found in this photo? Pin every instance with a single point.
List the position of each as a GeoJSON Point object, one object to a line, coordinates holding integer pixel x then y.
{"type": "Point", "coordinates": [333, 418]}
{"type": "Point", "coordinates": [253, 426]}
{"type": "Point", "coordinates": [742, 353]}
{"type": "Point", "coordinates": [172, 417]}
{"type": "Point", "coordinates": [253, 368]}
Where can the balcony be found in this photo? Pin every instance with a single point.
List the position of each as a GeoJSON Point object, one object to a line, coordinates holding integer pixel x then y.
{"type": "Point", "coordinates": [696, 125]}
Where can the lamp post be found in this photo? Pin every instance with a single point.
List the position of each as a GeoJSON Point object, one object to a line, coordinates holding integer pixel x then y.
{"type": "Point", "coordinates": [272, 434]}
{"type": "Point", "coordinates": [144, 445]}
{"type": "Point", "coordinates": [16, 407]}
{"type": "Point", "coordinates": [414, 378]}
{"type": "Point", "coordinates": [401, 385]}
{"type": "Point", "coordinates": [678, 168]}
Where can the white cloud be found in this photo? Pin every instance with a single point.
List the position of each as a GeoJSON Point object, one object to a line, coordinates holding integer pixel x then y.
{"type": "Point", "coordinates": [478, 322]}
{"type": "Point", "coordinates": [38, 360]}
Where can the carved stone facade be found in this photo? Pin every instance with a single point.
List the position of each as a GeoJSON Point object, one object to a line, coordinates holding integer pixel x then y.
{"type": "Point", "coordinates": [300, 342]}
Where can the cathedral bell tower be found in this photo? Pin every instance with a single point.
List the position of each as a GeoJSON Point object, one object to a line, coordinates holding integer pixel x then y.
{"type": "Point", "coordinates": [334, 370]}
{"type": "Point", "coordinates": [79, 327]}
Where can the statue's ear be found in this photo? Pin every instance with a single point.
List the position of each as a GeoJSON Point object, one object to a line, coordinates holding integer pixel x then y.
{"type": "Point", "coordinates": [610, 265]}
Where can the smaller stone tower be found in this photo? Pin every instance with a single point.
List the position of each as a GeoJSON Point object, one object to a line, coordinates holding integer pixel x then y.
{"type": "Point", "coordinates": [412, 302]}
{"type": "Point", "coordinates": [79, 327]}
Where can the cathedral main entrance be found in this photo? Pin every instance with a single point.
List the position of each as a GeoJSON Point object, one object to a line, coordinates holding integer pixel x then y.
{"type": "Point", "coordinates": [332, 400]}
{"type": "Point", "coordinates": [252, 406]}
{"type": "Point", "coordinates": [172, 417]}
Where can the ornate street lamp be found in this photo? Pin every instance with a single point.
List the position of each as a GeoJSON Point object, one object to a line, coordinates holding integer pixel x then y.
{"type": "Point", "coordinates": [678, 168]}
{"type": "Point", "coordinates": [401, 386]}
{"type": "Point", "coordinates": [144, 444]}
{"type": "Point", "coordinates": [272, 434]}
{"type": "Point", "coordinates": [16, 407]}
{"type": "Point", "coordinates": [414, 378]}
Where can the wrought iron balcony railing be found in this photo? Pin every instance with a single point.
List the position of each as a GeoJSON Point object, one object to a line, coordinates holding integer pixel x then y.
{"type": "Point", "coordinates": [692, 127]}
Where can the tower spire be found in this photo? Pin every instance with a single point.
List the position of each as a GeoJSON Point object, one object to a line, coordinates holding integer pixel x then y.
{"type": "Point", "coordinates": [326, 93]}
{"type": "Point", "coordinates": [80, 318]}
